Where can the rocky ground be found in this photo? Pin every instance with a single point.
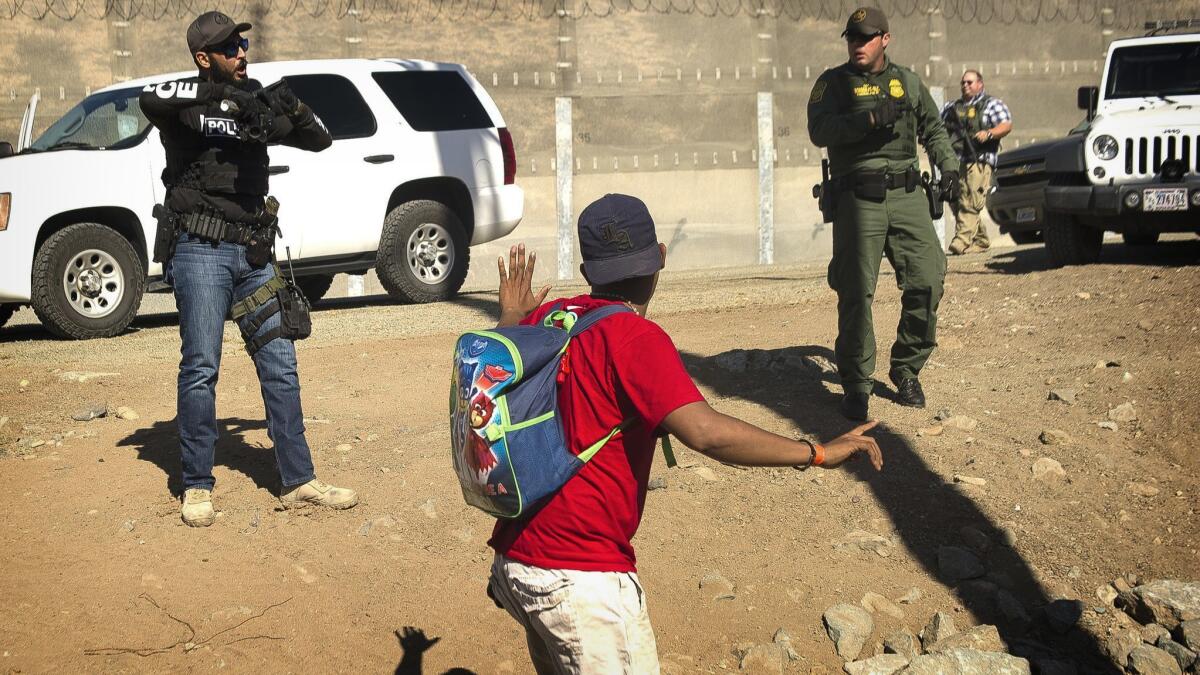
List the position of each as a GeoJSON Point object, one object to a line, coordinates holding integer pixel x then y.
{"type": "Point", "coordinates": [1054, 473]}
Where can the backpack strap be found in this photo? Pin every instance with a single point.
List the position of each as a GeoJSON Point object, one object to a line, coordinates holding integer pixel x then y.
{"type": "Point", "coordinates": [588, 320]}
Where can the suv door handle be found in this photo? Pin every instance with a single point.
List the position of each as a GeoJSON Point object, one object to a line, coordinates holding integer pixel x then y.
{"type": "Point", "coordinates": [276, 170]}
{"type": "Point", "coordinates": [378, 159]}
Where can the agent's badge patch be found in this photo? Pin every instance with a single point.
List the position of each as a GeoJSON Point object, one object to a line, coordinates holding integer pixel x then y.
{"type": "Point", "coordinates": [896, 89]}
{"type": "Point", "coordinates": [858, 16]}
{"type": "Point", "coordinates": [818, 91]}
{"type": "Point", "coordinates": [970, 112]}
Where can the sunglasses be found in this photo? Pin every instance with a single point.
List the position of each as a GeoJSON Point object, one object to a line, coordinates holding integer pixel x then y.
{"type": "Point", "coordinates": [854, 38]}
{"type": "Point", "coordinates": [968, 82]}
{"type": "Point", "coordinates": [230, 49]}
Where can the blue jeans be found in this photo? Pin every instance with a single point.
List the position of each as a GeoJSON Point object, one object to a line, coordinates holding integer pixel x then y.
{"type": "Point", "coordinates": [208, 278]}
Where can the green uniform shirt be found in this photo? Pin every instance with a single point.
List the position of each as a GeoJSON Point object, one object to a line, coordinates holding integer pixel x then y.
{"type": "Point", "coordinates": [839, 119]}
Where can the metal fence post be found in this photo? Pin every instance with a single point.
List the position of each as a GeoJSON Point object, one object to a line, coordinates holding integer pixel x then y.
{"type": "Point", "coordinates": [766, 178]}
{"type": "Point", "coordinates": [565, 170]}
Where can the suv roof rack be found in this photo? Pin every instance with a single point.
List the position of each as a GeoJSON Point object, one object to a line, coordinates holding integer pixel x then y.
{"type": "Point", "coordinates": [1155, 27]}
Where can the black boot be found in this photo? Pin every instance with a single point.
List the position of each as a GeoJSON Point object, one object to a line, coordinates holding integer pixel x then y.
{"type": "Point", "coordinates": [854, 405]}
{"type": "Point", "coordinates": [909, 392]}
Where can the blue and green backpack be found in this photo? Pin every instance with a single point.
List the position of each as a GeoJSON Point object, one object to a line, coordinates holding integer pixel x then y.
{"type": "Point", "coordinates": [509, 449]}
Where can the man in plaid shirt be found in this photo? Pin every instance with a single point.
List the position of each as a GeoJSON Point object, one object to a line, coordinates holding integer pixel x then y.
{"type": "Point", "coordinates": [976, 123]}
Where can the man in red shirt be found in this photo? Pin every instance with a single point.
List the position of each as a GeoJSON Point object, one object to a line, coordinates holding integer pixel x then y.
{"type": "Point", "coordinates": [568, 572]}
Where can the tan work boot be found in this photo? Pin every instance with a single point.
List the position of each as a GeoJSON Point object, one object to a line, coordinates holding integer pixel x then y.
{"type": "Point", "coordinates": [197, 508]}
{"type": "Point", "coordinates": [319, 493]}
{"type": "Point", "coordinates": [957, 248]}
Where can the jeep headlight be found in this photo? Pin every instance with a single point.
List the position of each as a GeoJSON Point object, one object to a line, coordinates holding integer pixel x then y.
{"type": "Point", "coordinates": [5, 206]}
{"type": "Point", "coordinates": [1105, 146]}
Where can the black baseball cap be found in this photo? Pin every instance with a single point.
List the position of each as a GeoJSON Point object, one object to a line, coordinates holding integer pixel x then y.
{"type": "Point", "coordinates": [866, 21]}
{"type": "Point", "coordinates": [617, 240]}
{"type": "Point", "coordinates": [211, 29]}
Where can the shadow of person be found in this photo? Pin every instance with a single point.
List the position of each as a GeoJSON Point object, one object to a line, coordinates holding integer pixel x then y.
{"type": "Point", "coordinates": [159, 445]}
{"type": "Point", "coordinates": [414, 643]}
{"type": "Point", "coordinates": [948, 534]}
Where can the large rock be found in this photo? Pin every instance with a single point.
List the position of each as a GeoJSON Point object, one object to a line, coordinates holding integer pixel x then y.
{"type": "Point", "coordinates": [884, 664]}
{"type": "Point", "coordinates": [1062, 615]}
{"type": "Point", "coordinates": [940, 627]}
{"type": "Point", "coordinates": [956, 563]}
{"type": "Point", "coordinates": [763, 660]}
{"type": "Point", "coordinates": [1120, 643]}
{"type": "Point", "coordinates": [1048, 470]}
{"type": "Point", "coordinates": [1147, 660]}
{"type": "Point", "coordinates": [1185, 657]}
{"type": "Point", "coordinates": [1123, 413]}
{"type": "Point", "coordinates": [967, 662]}
{"type": "Point", "coordinates": [1188, 634]}
{"type": "Point", "coordinates": [1167, 603]}
{"type": "Point", "coordinates": [903, 643]}
{"type": "Point", "coordinates": [983, 638]}
{"type": "Point", "coordinates": [849, 626]}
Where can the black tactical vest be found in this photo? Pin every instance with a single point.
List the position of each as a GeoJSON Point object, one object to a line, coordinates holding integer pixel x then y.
{"type": "Point", "coordinates": [970, 120]}
{"type": "Point", "coordinates": [215, 164]}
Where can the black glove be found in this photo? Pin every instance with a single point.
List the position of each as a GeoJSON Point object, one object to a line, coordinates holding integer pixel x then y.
{"type": "Point", "coordinates": [885, 114]}
{"type": "Point", "coordinates": [280, 98]}
{"type": "Point", "coordinates": [255, 119]}
{"type": "Point", "coordinates": [951, 186]}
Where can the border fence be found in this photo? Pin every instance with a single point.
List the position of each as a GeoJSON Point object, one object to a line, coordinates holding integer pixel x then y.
{"type": "Point", "coordinates": [675, 100]}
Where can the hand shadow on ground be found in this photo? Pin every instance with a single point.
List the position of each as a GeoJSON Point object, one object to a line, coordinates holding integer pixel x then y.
{"type": "Point", "coordinates": [927, 512]}
{"type": "Point", "coordinates": [414, 643]}
{"type": "Point", "coordinates": [159, 444]}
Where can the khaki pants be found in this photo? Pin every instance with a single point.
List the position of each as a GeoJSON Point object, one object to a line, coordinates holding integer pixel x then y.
{"type": "Point", "coordinates": [969, 228]}
{"type": "Point", "coordinates": [578, 623]}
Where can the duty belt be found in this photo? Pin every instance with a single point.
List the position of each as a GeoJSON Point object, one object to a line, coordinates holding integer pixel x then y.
{"type": "Point", "coordinates": [214, 228]}
{"type": "Point", "coordinates": [909, 179]}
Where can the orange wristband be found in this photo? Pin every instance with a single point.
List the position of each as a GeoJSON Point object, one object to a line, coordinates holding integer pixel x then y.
{"type": "Point", "coordinates": [818, 454]}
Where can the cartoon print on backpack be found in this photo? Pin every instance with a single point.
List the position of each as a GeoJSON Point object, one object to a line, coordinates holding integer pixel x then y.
{"type": "Point", "coordinates": [480, 456]}
{"type": "Point", "coordinates": [474, 411]}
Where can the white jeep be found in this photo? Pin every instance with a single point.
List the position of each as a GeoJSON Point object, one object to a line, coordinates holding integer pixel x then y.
{"type": "Point", "coordinates": [421, 167]}
{"type": "Point", "coordinates": [1137, 169]}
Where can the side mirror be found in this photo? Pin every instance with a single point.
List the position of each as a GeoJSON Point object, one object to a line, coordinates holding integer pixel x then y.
{"type": "Point", "coordinates": [6, 149]}
{"type": "Point", "coordinates": [1086, 99]}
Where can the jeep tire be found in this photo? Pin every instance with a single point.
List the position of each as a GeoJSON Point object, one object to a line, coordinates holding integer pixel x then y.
{"type": "Point", "coordinates": [1140, 238]}
{"type": "Point", "coordinates": [1069, 242]}
{"type": "Point", "coordinates": [423, 252]}
{"type": "Point", "coordinates": [6, 312]}
{"type": "Point", "coordinates": [87, 282]}
{"type": "Point", "coordinates": [314, 287]}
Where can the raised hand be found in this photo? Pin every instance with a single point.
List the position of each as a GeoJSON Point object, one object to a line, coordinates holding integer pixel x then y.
{"type": "Point", "coordinates": [517, 298]}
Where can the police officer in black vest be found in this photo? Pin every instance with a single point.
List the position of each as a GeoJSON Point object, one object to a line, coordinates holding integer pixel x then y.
{"type": "Point", "coordinates": [216, 239]}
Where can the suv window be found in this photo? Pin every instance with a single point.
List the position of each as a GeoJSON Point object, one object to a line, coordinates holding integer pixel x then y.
{"type": "Point", "coordinates": [110, 119]}
{"type": "Point", "coordinates": [1155, 70]}
{"type": "Point", "coordinates": [438, 100]}
{"type": "Point", "coordinates": [337, 102]}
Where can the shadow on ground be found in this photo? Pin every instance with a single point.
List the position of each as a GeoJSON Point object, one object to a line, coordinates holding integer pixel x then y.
{"type": "Point", "coordinates": [926, 511]}
{"type": "Point", "coordinates": [414, 643]}
{"type": "Point", "coordinates": [159, 445]}
{"type": "Point", "coordinates": [1174, 252]}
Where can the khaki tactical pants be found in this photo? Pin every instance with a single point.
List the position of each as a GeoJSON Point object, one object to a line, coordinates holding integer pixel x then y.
{"type": "Point", "coordinates": [969, 228]}
{"type": "Point", "coordinates": [863, 232]}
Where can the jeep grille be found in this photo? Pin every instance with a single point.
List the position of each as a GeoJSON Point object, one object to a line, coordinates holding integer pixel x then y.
{"type": "Point", "coordinates": [1144, 155]}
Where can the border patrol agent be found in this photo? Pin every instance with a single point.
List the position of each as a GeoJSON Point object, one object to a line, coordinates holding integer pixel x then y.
{"type": "Point", "coordinates": [976, 123]}
{"type": "Point", "coordinates": [869, 114]}
{"type": "Point", "coordinates": [216, 239]}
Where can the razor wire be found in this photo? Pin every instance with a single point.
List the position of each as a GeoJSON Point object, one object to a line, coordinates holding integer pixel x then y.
{"type": "Point", "coordinates": [1107, 13]}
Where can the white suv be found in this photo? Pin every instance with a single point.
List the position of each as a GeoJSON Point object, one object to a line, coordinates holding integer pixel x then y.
{"type": "Point", "coordinates": [421, 167]}
{"type": "Point", "coordinates": [1136, 170]}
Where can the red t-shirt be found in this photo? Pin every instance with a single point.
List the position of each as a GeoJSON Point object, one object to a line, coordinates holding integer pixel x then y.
{"type": "Point", "coordinates": [624, 366]}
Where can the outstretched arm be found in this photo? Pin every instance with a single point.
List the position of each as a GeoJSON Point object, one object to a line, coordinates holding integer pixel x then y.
{"type": "Point", "coordinates": [728, 439]}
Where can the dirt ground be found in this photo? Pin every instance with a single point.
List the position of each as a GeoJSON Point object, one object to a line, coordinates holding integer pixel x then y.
{"type": "Point", "coordinates": [100, 574]}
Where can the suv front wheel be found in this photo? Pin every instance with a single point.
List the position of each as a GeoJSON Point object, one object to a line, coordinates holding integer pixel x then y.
{"type": "Point", "coordinates": [87, 282]}
{"type": "Point", "coordinates": [423, 252]}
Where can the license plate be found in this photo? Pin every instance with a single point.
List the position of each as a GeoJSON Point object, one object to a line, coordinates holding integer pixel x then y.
{"type": "Point", "coordinates": [1164, 199]}
{"type": "Point", "coordinates": [1026, 214]}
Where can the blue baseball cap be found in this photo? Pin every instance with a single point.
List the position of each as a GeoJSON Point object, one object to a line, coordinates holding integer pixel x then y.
{"type": "Point", "coordinates": [617, 240]}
